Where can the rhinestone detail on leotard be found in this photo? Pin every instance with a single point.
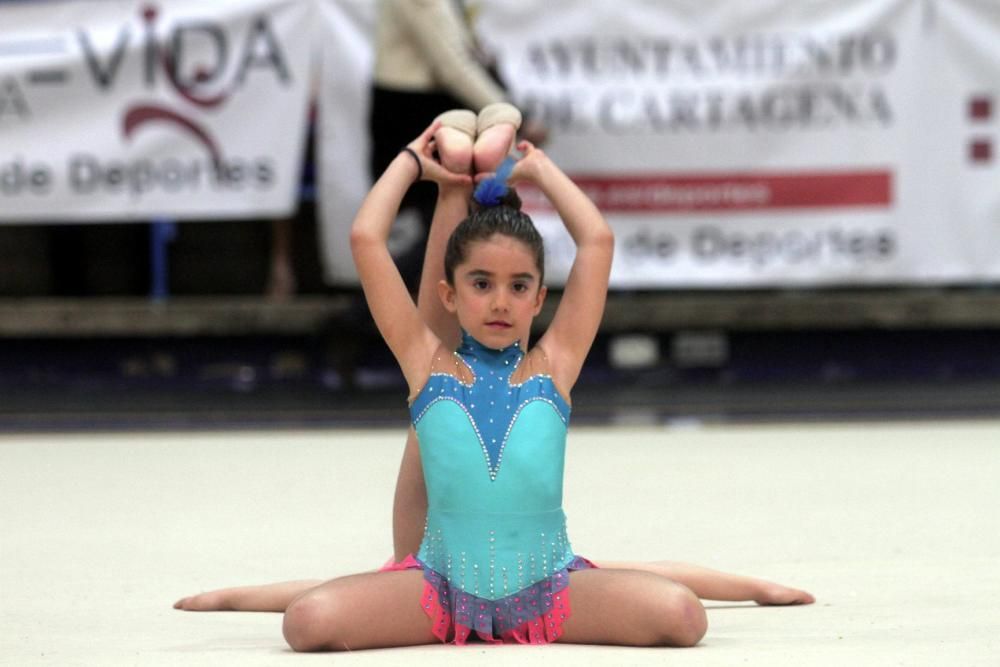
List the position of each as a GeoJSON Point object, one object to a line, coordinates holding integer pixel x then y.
{"type": "Point", "coordinates": [491, 402]}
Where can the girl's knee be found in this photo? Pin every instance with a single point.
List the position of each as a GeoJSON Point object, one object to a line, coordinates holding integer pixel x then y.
{"type": "Point", "coordinates": [312, 622]}
{"type": "Point", "coordinates": [683, 619]}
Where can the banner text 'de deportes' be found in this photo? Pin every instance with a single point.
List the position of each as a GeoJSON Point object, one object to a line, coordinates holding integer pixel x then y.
{"type": "Point", "coordinates": [129, 109]}
{"type": "Point", "coordinates": [763, 144]}
{"type": "Point", "coordinates": [778, 144]}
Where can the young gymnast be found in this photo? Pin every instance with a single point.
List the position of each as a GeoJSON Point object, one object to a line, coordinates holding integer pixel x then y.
{"type": "Point", "coordinates": [517, 581]}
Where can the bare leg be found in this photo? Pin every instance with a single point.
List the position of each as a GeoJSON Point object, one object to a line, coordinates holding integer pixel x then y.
{"type": "Point", "coordinates": [409, 507]}
{"type": "Point", "coordinates": [410, 504]}
{"type": "Point", "coordinates": [618, 607]}
{"type": "Point", "coordinates": [631, 608]}
{"type": "Point", "coordinates": [281, 275]}
{"type": "Point", "coordinates": [269, 597]}
{"type": "Point", "coordinates": [710, 584]}
{"type": "Point", "coordinates": [372, 610]}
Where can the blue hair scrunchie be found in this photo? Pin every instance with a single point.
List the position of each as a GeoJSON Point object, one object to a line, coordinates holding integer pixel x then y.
{"type": "Point", "coordinates": [490, 191]}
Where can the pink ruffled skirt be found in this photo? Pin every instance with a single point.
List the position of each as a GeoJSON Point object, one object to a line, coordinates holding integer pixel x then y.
{"type": "Point", "coordinates": [534, 615]}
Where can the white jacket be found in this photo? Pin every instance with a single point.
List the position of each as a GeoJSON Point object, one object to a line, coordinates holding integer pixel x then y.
{"type": "Point", "coordinates": [427, 46]}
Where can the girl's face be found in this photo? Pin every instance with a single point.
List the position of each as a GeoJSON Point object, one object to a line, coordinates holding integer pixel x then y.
{"type": "Point", "coordinates": [497, 291]}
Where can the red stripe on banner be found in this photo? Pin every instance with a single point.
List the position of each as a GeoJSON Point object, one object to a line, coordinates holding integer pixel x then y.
{"type": "Point", "coordinates": [744, 191]}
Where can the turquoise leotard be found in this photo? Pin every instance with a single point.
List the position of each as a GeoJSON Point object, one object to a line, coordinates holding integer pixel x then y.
{"type": "Point", "coordinates": [495, 551]}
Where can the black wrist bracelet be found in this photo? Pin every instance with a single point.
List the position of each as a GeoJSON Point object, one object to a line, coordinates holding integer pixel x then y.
{"type": "Point", "coordinates": [412, 153]}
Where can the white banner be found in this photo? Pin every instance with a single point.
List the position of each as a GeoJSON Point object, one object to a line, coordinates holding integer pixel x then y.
{"type": "Point", "coordinates": [761, 143]}
{"type": "Point", "coordinates": [343, 144]}
{"type": "Point", "coordinates": [129, 109]}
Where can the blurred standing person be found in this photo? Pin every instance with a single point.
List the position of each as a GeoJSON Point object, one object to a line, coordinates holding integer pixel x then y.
{"type": "Point", "coordinates": [427, 61]}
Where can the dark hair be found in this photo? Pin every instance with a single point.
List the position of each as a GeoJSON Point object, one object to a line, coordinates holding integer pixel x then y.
{"type": "Point", "coordinates": [483, 222]}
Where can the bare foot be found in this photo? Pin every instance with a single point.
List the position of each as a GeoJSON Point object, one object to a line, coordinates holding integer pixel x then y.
{"type": "Point", "coordinates": [268, 597]}
{"type": "Point", "coordinates": [454, 140]}
{"type": "Point", "coordinates": [776, 594]}
{"type": "Point", "coordinates": [213, 601]}
{"type": "Point", "coordinates": [497, 129]}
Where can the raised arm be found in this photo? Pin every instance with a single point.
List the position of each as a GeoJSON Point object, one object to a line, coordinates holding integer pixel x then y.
{"type": "Point", "coordinates": [571, 333]}
{"type": "Point", "coordinates": [411, 340]}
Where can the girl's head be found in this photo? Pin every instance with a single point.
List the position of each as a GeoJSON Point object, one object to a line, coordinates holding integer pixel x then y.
{"type": "Point", "coordinates": [494, 265]}
{"type": "Point", "coordinates": [505, 219]}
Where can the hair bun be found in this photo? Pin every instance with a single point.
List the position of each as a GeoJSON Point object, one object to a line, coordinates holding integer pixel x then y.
{"type": "Point", "coordinates": [491, 191]}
